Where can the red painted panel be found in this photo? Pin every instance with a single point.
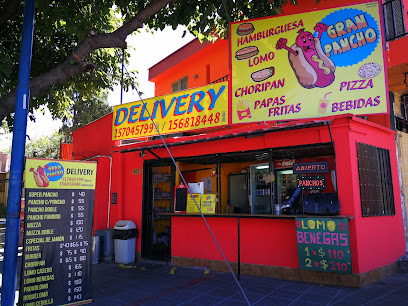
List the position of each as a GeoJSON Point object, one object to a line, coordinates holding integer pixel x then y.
{"type": "Point", "coordinates": [191, 238]}
{"type": "Point", "coordinates": [101, 194]}
{"type": "Point", "coordinates": [380, 239]}
{"type": "Point", "coordinates": [263, 241]}
{"type": "Point", "coordinates": [100, 132]}
{"type": "Point", "coordinates": [269, 242]}
{"type": "Point", "coordinates": [132, 201]}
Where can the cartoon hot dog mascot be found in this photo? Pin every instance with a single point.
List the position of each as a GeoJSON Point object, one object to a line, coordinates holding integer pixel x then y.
{"type": "Point", "coordinates": [40, 177]}
{"type": "Point", "coordinates": [309, 63]}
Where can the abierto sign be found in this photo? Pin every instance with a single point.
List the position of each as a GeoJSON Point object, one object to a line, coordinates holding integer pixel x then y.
{"type": "Point", "coordinates": [192, 109]}
{"type": "Point", "coordinates": [315, 64]}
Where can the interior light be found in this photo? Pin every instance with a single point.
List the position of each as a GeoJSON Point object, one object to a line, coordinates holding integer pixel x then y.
{"type": "Point", "coordinates": [286, 172]}
{"type": "Point", "coordinates": [263, 167]}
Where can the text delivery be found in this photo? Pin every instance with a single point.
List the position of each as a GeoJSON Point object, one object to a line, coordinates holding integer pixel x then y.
{"type": "Point", "coordinates": [192, 109]}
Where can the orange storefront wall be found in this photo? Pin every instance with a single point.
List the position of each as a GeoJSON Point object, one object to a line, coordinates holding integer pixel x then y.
{"type": "Point", "coordinates": [202, 68]}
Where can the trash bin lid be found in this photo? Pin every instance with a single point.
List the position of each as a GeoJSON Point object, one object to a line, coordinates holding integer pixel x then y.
{"type": "Point", "coordinates": [124, 225]}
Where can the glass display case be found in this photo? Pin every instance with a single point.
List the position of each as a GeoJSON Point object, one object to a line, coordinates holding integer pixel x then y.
{"type": "Point", "coordinates": [286, 180]}
{"type": "Point", "coordinates": [260, 190]}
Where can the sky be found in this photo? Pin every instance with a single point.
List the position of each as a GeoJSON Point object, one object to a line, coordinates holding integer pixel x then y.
{"type": "Point", "coordinates": [150, 49]}
{"type": "Point", "coordinates": [146, 50]}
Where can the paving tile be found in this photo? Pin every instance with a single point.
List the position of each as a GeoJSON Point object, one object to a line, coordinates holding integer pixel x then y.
{"type": "Point", "coordinates": [286, 294]}
{"type": "Point", "coordinates": [252, 297]}
{"type": "Point", "coordinates": [204, 300]}
{"type": "Point", "coordinates": [305, 303]}
{"type": "Point", "coordinates": [273, 300]}
{"type": "Point", "coordinates": [346, 293]}
{"type": "Point", "coordinates": [296, 286]}
{"type": "Point", "coordinates": [155, 285]}
{"type": "Point", "coordinates": [107, 302]}
{"type": "Point", "coordinates": [181, 296]}
{"type": "Point", "coordinates": [260, 289]}
{"type": "Point", "coordinates": [129, 297]}
{"type": "Point", "coordinates": [229, 302]}
{"type": "Point", "coordinates": [389, 300]}
{"type": "Point", "coordinates": [353, 299]}
{"type": "Point", "coordinates": [107, 291]}
{"type": "Point", "coordinates": [314, 298]}
{"type": "Point", "coordinates": [225, 293]}
{"type": "Point", "coordinates": [325, 290]}
{"type": "Point", "coordinates": [161, 302]}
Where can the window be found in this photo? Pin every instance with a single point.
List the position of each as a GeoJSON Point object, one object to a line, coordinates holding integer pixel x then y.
{"type": "Point", "coordinates": [179, 85]}
{"type": "Point", "coordinates": [376, 188]}
{"type": "Point", "coordinates": [393, 19]}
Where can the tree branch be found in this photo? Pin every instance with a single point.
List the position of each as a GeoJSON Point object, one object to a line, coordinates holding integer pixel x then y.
{"type": "Point", "coordinates": [11, 10]}
{"type": "Point", "coordinates": [75, 64]}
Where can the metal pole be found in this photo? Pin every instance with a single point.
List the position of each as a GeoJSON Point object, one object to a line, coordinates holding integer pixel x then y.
{"type": "Point", "coordinates": [17, 160]}
{"type": "Point", "coordinates": [239, 249]}
{"type": "Point", "coordinates": [121, 82]}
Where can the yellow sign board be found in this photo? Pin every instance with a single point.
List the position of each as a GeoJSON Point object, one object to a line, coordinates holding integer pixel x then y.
{"type": "Point", "coordinates": [58, 174]}
{"type": "Point", "coordinates": [315, 64]}
{"type": "Point", "coordinates": [199, 108]}
{"type": "Point", "coordinates": [208, 204]}
{"type": "Point", "coordinates": [191, 206]}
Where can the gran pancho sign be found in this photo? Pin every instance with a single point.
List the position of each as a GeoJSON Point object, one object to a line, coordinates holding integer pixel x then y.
{"type": "Point", "coordinates": [187, 110]}
{"type": "Point", "coordinates": [314, 64]}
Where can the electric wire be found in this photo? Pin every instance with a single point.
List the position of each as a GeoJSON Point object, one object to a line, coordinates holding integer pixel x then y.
{"type": "Point", "coordinates": [174, 162]}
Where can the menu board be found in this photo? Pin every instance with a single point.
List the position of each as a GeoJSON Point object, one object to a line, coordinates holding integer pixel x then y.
{"type": "Point", "coordinates": [192, 199]}
{"type": "Point", "coordinates": [323, 244]}
{"type": "Point", "coordinates": [57, 232]}
{"type": "Point", "coordinates": [208, 204]}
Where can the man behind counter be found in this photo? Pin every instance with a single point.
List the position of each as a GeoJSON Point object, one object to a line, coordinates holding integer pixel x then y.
{"type": "Point", "coordinates": [292, 201]}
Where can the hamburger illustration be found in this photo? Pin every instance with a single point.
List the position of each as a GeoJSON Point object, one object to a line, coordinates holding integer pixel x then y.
{"type": "Point", "coordinates": [246, 53]}
{"type": "Point", "coordinates": [245, 29]}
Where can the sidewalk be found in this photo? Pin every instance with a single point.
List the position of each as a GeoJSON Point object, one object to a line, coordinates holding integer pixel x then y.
{"type": "Point", "coordinates": [159, 283]}
{"type": "Point", "coordinates": [155, 283]}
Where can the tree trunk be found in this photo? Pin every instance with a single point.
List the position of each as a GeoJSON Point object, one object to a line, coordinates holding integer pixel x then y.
{"type": "Point", "coordinates": [75, 63]}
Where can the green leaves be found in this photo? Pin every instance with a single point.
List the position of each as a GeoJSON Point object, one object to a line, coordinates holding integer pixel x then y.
{"type": "Point", "coordinates": [44, 147]}
{"type": "Point", "coordinates": [84, 110]}
{"type": "Point", "coordinates": [60, 26]}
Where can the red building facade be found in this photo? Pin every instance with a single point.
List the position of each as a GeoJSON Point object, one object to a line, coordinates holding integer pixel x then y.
{"type": "Point", "coordinates": [136, 180]}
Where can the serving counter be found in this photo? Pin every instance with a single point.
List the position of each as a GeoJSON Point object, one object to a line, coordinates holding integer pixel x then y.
{"type": "Point", "coordinates": [267, 246]}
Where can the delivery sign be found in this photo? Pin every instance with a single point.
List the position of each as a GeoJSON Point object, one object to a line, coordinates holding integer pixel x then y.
{"type": "Point", "coordinates": [193, 109]}
{"type": "Point", "coordinates": [314, 64]}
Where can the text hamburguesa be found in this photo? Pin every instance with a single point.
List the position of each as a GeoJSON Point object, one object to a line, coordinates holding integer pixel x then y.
{"type": "Point", "coordinates": [356, 40]}
{"type": "Point", "coordinates": [181, 104]}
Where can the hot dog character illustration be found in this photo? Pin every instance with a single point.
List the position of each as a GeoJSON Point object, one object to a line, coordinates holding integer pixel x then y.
{"type": "Point", "coordinates": [40, 177]}
{"type": "Point", "coordinates": [309, 63]}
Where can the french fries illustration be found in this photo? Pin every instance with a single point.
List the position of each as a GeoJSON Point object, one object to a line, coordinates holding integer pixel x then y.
{"type": "Point", "coordinates": [244, 109]}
